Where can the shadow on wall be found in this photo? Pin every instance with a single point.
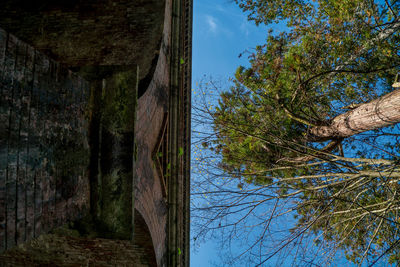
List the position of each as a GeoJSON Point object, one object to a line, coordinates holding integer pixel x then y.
{"type": "Point", "coordinates": [143, 240]}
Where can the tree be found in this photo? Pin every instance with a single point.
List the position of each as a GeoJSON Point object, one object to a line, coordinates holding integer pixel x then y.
{"type": "Point", "coordinates": [282, 132]}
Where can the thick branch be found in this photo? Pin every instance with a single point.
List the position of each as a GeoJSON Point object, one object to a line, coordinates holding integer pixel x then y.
{"type": "Point", "coordinates": [328, 148]}
{"type": "Point", "coordinates": [378, 113]}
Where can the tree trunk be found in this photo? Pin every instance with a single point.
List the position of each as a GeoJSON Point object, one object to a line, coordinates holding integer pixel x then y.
{"type": "Point", "coordinates": [378, 113]}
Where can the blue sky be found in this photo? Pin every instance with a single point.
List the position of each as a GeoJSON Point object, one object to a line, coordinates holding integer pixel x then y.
{"type": "Point", "coordinates": [221, 33]}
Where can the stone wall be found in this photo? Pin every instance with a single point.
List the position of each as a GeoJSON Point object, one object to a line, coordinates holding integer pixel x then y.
{"type": "Point", "coordinates": [163, 119]}
{"type": "Point", "coordinates": [44, 149]}
{"type": "Point", "coordinates": [45, 152]}
{"type": "Point", "coordinates": [91, 32]}
{"type": "Point", "coordinates": [60, 250]}
{"type": "Point", "coordinates": [65, 247]}
{"type": "Point", "coordinates": [153, 107]}
{"type": "Point", "coordinates": [119, 146]}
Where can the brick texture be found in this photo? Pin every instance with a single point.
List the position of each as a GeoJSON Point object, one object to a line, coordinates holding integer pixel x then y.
{"type": "Point", "coordinates": [60, 250]}
{"type": "Point", "coordinates": [91, 32]}
{"type": "Point", "coordinates": [43, 149]}
{"type": "Point", "coordinates": [152, 107]}
{"type": "Point", "coordinates": [44, 153]}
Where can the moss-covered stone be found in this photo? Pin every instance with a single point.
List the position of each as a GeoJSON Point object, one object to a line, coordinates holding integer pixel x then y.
{"type": "Point", "coordinates": [113, 107]}
{"type": "Point", "coordinates": [116, 204]}
{"type": "Point", "coordinates": [61, 249]}
{"type": "Point", "coordinates": [119, 102]}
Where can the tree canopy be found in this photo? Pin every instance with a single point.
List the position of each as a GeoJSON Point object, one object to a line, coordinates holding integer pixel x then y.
{"type": "Point", "coordinates": [313, 122]}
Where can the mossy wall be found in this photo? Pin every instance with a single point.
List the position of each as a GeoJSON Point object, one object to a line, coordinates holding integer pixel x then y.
{"type": "Point", "coordinates": [116, 153]}
{"type": "Point", "coordinates": [44, 151]}
{"type": "Point", "coordinates": [104, 42]}
{"type": "Point", "coordinates": [64, 140]}
{"type": "Point", "coordinates": [66, 250]}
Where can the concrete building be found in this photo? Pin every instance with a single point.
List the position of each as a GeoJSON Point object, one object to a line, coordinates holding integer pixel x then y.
{"type": "Point", "coordinates": [95, 132]}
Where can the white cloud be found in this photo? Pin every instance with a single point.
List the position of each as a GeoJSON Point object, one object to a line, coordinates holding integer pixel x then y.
{"type": "Point", "coordinates": [212, 24]}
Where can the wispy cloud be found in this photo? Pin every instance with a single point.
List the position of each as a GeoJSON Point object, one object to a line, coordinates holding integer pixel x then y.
{"type": "Point", "coordinates": [245, 28]}
{"type": "Point", "coordinates": [212, 24]}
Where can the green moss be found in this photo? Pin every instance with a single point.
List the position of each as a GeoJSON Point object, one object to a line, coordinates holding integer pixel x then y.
{"type": "Point", "coordinates": [66, 230]}
{"type": "Point", "coordinates": [113, 104]}
{"type": "Point", "coordinates": [116, 204]}
{"type": "Point", "coordinates": [119, 102]}
{"type": "Point", "coordinates": [85, 227]}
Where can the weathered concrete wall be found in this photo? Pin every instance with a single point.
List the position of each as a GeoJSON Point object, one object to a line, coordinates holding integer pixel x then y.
{"type": "Point", "coordinates": [43, 151]}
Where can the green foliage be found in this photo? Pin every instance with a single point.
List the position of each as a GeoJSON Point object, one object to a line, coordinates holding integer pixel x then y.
{"type": "Point", "coordinates": [301, 79]}
{"type": "Point", "coordinates": [332, 55]}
